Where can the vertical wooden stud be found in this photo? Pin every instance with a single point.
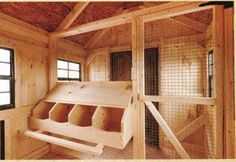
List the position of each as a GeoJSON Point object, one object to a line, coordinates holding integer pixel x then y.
{"type": "Point", "coordinates": [229, 85]}
{"type": "Point", "coordinates": [138, 87]}
{"type": "Point", "coordinates": [234, 20]}
{"type": "Point", "coordinates": [218, 33]}
{"type": "Point", "coordinates": [52, 61]}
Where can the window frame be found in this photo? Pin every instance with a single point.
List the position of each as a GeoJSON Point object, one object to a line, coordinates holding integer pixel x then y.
{"type": "Point", "coordinates": [11, 79]}
{"type": "Point", "coordinates": [68, 70]}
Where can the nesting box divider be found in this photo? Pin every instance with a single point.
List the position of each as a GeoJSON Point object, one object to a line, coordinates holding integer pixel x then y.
{"type": "Point", "coordinates": [41, 111]}
{"type": "Point", "coordinates": [108, 119]}
{"type": "Point", "coordinates": [81, 115]}
{"type": "Point", "coordinates": [60, 111]}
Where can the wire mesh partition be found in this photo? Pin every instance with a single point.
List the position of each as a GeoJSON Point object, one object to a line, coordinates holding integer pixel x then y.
{"type": "Point", "coordinates": [178, 63]}
{"type": "Point", "coordinates": [185, 69]}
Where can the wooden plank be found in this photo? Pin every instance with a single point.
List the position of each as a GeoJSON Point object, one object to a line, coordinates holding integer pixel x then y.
{"type": "Point", "coordinates": [70, 18]}
{"type": "Point", "coordinates": [97, 150]}
{"type": "Point", "coordinates": [229, 85]}
{"type": "Point", "coordinates": [234, 33]}
{"type": "Point", "coordinates": [52, 62]}
{"type": "Point", "coordinates": [138, 87]}
{"type": "Point", "coordinates": [179, 148]}
{"type": "Point", "coordinates": [177, 99]}
{"type": "Point", "coordinates": [218, 35]}
{"type": "Point", "coordinates": [119, 20]}
{"type": "Point", "coordinates": [113, 94]}
{"type": "Point", "coordinates": [190, 23]}
{"type": "Point", "coordinates": [175, 11]}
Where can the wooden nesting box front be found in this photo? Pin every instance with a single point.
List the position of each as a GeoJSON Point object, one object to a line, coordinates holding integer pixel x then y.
{"type": "Point", "coordinates": [96, 112]}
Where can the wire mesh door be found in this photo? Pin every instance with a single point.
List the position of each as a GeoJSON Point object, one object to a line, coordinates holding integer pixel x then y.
{"type": "Point", "coordinates": [184, 43]}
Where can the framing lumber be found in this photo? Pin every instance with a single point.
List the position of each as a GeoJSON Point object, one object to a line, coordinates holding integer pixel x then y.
{"type": "Point", "coordinates": [70, 18]}
{"type": "Point", "coordinates": [218, 35]}
{"type": "Point", "coordinates": [177, 145]}
{"type": "Point", "coordinates": [138, 87]}
{"type": "Point", "coordinates": [229, 101]}
{"type": "Point", "coordinates": [97, 150]}
{"type": "Point", "coordinates": [190, 23]}
{"type": "Point", "coordinates": [166, 9]}
{"type": "Point", "coordinates": [101, 33]}
{"type": "Point", "coordinates": [52, 62]}
{"type": "Point", "coordinates": [176, 99]}
{"type": "Point", "coordinates": [175, 11]}
{"type": "Point", "coordinates": [191, 127]}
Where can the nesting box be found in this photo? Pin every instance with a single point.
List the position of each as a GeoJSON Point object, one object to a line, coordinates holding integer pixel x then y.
{"type": "Point", "coordinates": [96, 112]}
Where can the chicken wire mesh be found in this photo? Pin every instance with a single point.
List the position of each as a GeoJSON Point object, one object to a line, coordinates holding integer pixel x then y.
{"type": "Point", "coordinates": [185, 69]}
{"type": "Point", "coordinates": [178, 62]}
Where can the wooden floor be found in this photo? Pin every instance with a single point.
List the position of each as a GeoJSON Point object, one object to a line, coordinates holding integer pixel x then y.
{"type": "Point", "coordinates": [111, 153]}
{"type": "Point", "coordinates": [53, 156]}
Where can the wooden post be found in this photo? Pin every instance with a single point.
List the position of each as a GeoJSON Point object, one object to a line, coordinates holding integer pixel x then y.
{"type": "Point", "coordinates": [52, 62]}
{"type": "Point", "coordinates": [234, 34]}
{"type": "Point", "coordinates": [218, 34]}
{"type": "Point", "coordinates": [229, 85]}
{"type": "Point", "coordinates": [138, 87]}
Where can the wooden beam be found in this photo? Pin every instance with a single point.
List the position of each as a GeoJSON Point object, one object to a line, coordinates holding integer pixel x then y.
{"type": "Point", "coordinates": [184, 100]}
{"type": "Point", "coordinates": [190, 23]}
{"type": "Point", "coordinates": [70, 18]}
{"type": "Point", "coordinates": [229, 103]}
{"type": "Point", "coordinates": [175, 11]}
{"type": "Point", "coordinates": [101, 33]}
{"type": "Point", "coordinates": [124, 18]}
{"type": "Point", "coordinates": [138, 87]}
{"type": "Point", "coordinates": [234, 35]}
{"type": "Point", "coordinates": [218, 36]}
{"type": "Point", "coordinates": [97, 150]}
{"type": "Point", "coordinates": [52, 63]}
{"type": "Point", "coordinates": [166, 129]}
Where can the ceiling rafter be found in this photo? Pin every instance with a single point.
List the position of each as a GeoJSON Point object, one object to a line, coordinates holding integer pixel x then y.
{"type": "Point", "coordinates": [70, 18]}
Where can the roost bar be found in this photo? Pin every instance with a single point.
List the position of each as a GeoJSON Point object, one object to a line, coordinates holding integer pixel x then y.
{"type": "Point", "coordinates": [117, 80]}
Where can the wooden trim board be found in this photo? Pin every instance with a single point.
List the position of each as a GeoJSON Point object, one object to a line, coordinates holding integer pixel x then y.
{"type": "Point", "coordinates": [97, 150]}
{"type": "Point", "coordinates": [178, 99]}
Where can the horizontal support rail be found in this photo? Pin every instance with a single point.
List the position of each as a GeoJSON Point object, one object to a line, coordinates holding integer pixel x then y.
{"type": "Point", "coordinates": [97, 150]}
{"type": "Point", "coordinates": [178, 99]}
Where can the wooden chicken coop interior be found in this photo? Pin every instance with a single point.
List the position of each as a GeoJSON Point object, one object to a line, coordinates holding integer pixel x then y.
{"type": "Point", "coordinates": [117, 80]}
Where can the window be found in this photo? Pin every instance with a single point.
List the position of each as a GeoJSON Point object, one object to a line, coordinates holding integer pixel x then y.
{"type": "Point", "coordinates": [68, 70]}
{"type": "Point", "coordinates": [210, 73]}
{"type": "Point", "coordinates": [6, 78]}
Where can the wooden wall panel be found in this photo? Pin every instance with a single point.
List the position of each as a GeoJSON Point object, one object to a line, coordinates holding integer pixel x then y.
{"type": "Point", "coordinates": [30, 46]}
